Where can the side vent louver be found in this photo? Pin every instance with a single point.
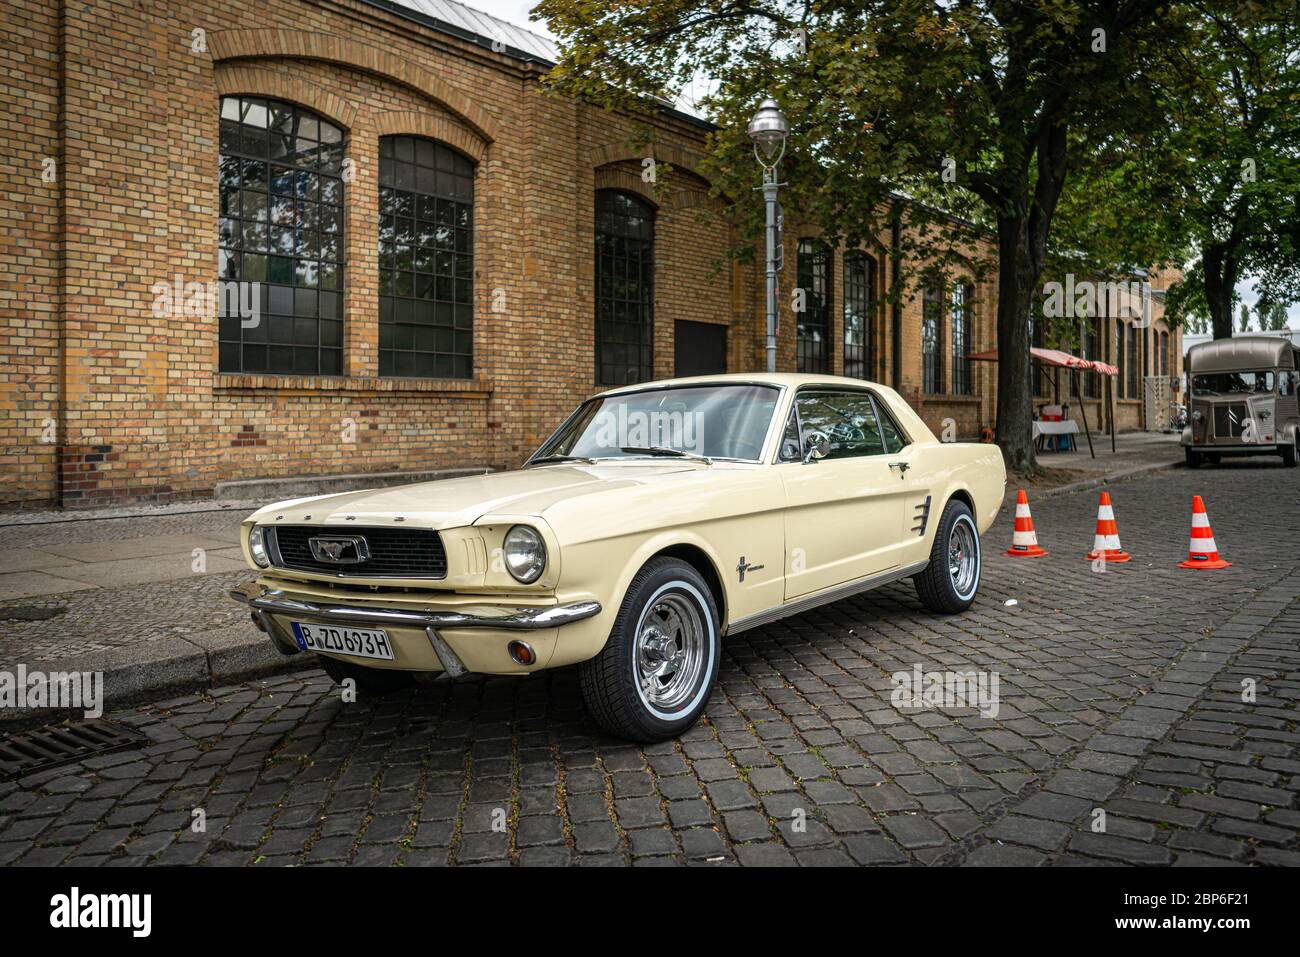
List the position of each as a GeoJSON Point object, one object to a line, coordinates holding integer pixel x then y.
{"type": "Point", "coordinates": [921, 517]}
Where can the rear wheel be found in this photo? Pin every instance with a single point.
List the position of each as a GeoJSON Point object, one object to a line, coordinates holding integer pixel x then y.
{"type": "Point", "coordinates": [949, 583]}
{"type": "Point", "coordinates": [1291, 452]}
{"type": "Point", "coordinates": [652, 679]}
{"type": "Point", "coordinates": [367, 680]}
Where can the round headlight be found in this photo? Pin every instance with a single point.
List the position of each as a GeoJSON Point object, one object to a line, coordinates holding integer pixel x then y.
{"type": "Point", "coordinates": [257, 546]}
{"type": "Point", "coordinates": [525, 554]}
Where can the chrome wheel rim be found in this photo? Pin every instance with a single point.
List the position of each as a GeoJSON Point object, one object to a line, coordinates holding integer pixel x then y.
{"type": "Point", "coordinates": [671, 650]}
{"type": "Point", "coordinates": [963, 557]}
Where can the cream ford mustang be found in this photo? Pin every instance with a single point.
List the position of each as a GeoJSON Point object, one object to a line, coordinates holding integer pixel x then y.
{"type": "Point", "coordinates": [658, 519]}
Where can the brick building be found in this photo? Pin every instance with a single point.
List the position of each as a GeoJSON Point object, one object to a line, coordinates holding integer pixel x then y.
{"type": "Point", "coordinates": [445, 257]}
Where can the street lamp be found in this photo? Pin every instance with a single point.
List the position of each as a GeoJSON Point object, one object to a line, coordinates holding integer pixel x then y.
{"type": "Point", "coordinates": [769, 129]}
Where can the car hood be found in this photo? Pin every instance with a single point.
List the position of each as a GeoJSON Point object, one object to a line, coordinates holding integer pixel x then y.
{"type": "Point", "coordinates": [452, 503]}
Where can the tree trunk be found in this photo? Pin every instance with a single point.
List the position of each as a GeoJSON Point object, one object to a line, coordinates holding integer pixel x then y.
{"type": "Point", "coordinates": [1016, 278]}
{"type": "Point", "coordinates": [1220, 279]}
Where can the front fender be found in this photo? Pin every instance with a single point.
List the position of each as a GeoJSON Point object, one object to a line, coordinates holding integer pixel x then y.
{"type": "Point", "coordinates": [590, 572]}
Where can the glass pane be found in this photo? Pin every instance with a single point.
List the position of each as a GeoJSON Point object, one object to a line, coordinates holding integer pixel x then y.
{"type": "Point", "coordinates": [416, 268]}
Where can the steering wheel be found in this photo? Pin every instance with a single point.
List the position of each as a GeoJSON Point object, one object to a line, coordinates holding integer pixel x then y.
{"type": "Point", "coordinates": [746, 449]}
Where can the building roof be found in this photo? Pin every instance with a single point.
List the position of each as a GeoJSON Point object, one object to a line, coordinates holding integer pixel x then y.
{"type": "Point", "coordinates": [467, 23]}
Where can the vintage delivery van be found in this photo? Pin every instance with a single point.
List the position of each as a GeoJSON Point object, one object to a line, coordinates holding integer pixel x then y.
{"type": "Point", "coordinates": [1242, 399]}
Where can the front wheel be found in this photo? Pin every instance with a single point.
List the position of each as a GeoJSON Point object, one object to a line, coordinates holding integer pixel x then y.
{"type": "Point", "coordinates": [949, 583]}
{"type": "Point", "coordinates": [652, 679]}
{"type": "Point", "coordinates": [1291, 452]}
{"type": "Point", "coordinates": [1193, 457]}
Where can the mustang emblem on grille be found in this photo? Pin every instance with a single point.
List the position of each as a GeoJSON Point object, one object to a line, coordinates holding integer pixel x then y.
{"type": "Point", "coordinates": [339, 549]}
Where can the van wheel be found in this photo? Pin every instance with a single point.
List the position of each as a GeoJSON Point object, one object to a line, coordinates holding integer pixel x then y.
{"type": "Point", "coordinates": [949, 583]}
{"type": "Point", "coordinates": [652, 679]}
{"type": "Point", "coordinates": [1193, 457]}
{"type": "Point", "coordinates": [368, 680]}
{"type": "Point", "coordinates": [1291, 453]}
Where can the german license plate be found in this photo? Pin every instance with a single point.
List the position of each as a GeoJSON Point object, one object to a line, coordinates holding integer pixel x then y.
{"type": "Point", "coordinates": [341, 640]}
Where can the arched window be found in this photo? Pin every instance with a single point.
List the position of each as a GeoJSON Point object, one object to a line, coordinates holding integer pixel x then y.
{"type": "Point", "coordinates": [281, 230]}
{"type": "Point", "coordinates": [813, 272]}
{"type": "Point", "coordinates": [426, 259]}
{"type": "Point", "coordinates": [625, 236]}
{"type": "Point", "coordinates": [859, 296]}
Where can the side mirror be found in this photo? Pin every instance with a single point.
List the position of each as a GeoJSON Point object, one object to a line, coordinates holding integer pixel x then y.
{"type": "Point", "coordinates": [816, 447]}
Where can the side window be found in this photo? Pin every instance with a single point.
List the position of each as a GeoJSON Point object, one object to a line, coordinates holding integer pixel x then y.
{"type": "Point", "coordinates": [847, 419]}
{"type": "Point", "coordinates": [890, 432]}
{"type": "Point", "coordinates": [791, 446]}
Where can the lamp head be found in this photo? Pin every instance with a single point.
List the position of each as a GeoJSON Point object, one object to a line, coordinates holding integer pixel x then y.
{"type": "Point", "coordinates": [769, 129]}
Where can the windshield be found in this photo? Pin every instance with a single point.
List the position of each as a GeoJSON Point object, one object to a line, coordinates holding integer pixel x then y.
{"type": "Point", "coordinates": [717, 421]}
{"type": "Point", "coordinates": [1233, 383]}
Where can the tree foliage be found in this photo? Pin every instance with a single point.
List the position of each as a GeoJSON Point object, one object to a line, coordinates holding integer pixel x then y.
{"type": "Point", "coordinates": [979, 110]}
{"type": "Point", "coordinates": [1229, 156]}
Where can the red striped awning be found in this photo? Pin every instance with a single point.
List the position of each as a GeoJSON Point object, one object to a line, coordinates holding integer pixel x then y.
{"type": "Point", "coordinates": [1052, 357]}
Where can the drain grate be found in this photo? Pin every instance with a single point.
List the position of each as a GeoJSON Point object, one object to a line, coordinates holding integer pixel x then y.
{"type": "Point", "coordinates": [26, 751]}
{"type": "Point", "coordinates": [31, 612]}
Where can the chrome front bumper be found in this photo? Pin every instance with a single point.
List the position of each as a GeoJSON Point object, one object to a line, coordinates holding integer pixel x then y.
{"type": "Point", "coordinates": [266, 601]}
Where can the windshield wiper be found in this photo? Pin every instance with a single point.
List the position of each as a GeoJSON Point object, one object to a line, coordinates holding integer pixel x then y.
{"type": "Point", "coordinates": [665, 451]}
{"type": "Point", "coordinates": [581, 459]}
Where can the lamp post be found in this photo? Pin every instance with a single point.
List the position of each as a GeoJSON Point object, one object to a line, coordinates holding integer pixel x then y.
{"type": "Point", "coordinates": [768, 130]}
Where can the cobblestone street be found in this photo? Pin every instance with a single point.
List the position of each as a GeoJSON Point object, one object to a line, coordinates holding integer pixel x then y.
{"type": "Point", "coordinates": [1147, 715]}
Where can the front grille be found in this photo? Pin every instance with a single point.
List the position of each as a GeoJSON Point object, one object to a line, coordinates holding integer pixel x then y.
{"type": "Point", "coordinates": [1229, 420]}
{"type": "Point", "coordinates": [394, 552]}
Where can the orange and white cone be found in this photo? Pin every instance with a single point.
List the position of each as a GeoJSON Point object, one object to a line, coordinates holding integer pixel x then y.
{"type": "Point", "coordinates": [1106, 545]}
{"type": "Point", "coordinates": [1202, 553]}
{"type": "Point", "coordinates": [1024, 543]}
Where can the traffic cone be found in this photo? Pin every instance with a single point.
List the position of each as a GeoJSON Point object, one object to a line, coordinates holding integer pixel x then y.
{"type": "Point", "coordinates": [1024, 543]}
{"type": "Point", "coordinates": [1106, 545]}
{"type": "Point", "coordinates": [1202, 553]}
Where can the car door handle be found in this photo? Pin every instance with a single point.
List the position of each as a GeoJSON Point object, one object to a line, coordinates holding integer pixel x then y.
{"type": "Point", "coordinates": [901, 466]}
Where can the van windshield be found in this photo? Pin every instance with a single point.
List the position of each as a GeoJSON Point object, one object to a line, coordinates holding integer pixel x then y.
{"type": "Point", "coordinates": [1232, 383]}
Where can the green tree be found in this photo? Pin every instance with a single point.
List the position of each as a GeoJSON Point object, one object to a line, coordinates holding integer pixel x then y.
{"type": "Point", "coordinates": [1232, 98]}
{"type": "Point", "coordinates": [979, 108]}
{"type": "Point", "coordinates": [1243, 318]}
{"type": "Point", "coordinates": [1271, 313]}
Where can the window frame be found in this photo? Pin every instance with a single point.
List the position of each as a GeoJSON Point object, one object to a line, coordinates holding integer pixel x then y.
{"type": "Point", "coordinates": [645, 261]}
{"type": "Point", "coordinates": [819, 249]}
{"type": "Point", "coordinates": [285, 306]}
{"type": "Point", "coordinates": [962, 374]}
{"type": "Point", "coordinates": [932, 345]}
{"type": "Point", "coordinates": [442, 266]}
{"type": "Point", "coordinates": [859, 291]}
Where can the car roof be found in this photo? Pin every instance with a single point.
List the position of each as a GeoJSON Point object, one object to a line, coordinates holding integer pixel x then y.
{"type": "Point", "coordinates": [779, 379]}
{"type": "Point", "coordinates": [1240, 353]}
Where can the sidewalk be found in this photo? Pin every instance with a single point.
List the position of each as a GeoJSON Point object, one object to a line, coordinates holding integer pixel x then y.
{"type": "Point", "coordinates": [139, 593]}
{"type": "Point", "coordinates": [1136, 453]}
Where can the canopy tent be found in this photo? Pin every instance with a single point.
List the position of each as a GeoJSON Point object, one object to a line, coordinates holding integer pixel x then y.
{"type": "Point", "coordinates": [1055, 357]}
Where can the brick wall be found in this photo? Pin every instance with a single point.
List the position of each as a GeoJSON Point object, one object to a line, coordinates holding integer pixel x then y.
{"type": "Point", "coordinates": [105, 403]}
